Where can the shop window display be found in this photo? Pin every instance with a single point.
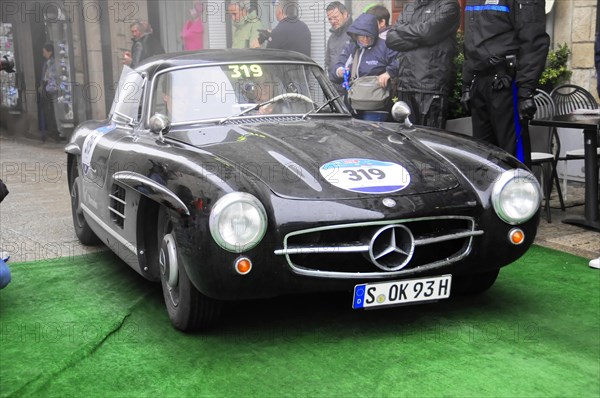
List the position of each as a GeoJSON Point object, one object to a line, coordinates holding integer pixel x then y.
{"type": "Point", "coordinates": [58, 31]}
{"type": "Point", "coordinates": [9, 97]}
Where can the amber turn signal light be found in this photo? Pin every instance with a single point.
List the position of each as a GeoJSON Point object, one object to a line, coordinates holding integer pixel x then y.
{"type": "Point", "coordinates": [243, 265]}
{"type": "Point", "coordinates": [516, 236]}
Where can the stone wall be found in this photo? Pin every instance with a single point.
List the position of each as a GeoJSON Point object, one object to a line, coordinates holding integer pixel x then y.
{"type": "Point", "coordinates": [575, 25]}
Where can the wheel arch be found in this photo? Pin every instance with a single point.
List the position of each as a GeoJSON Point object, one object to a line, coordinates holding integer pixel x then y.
{"type": "Point", "coordinates": [152, 196]}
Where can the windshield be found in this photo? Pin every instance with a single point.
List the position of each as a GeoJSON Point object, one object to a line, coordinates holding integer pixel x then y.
{"type": "Point", "coordinates": [129, 90]}
{"type": "Point", "coordinates": [222, 91]}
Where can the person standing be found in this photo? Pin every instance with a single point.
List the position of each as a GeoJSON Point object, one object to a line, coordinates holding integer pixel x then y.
{"type": "Point", "coordinates": [48, 94]}
{"type": "Point", "coordinates": [425, 37]}
{"type": "Point", "coordinates": [150, 43]}
{"type": "Point", "coordinates": [383, 19]}
{"type": "Point", "coordinates": [366, 54]}
{"type": "Point", "coordinates": [290, 33]}
{"type": "Point", "coordinates": [506, 46]}
{"type": "Point", "coordinates": [4, 256]}
{"type": "Point", "coordinates": [246, 25]}
{"type": "Point", "coordinates": [4, 270]}
{"type": "Point", "coordinates": [595, 263]}
{"type": "Point", "coordinates": [132, 58]}
{"type": "Point", "coordinates": [597, 59]}
{"type": "Point", "coordinates": [193, 30]}
{"type": "Point", "coordinates": [340, 21]}
{"type": "Point", "coordinates": [144, 45]}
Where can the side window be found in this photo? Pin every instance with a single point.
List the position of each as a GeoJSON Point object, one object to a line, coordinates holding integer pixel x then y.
{"type": "Point", "coordinates": [127, 104]}
{"type": "Point", "coordinates": [162, 94]}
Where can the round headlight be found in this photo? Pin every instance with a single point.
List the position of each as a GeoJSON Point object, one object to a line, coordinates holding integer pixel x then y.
{"type": "Point", "coordinates": [238, 222]}
{"type": "Point", "coordinates": [516, 196]}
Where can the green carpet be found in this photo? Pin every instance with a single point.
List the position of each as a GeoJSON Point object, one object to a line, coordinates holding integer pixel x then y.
{"type": "Point", "coordinates": [90, 326]}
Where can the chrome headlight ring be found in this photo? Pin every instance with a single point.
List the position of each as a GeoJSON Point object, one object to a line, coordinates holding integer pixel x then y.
{"type": "Point", "coordinates": [516, 196]}
{"type": "Point", "coordinates": [238, 222]}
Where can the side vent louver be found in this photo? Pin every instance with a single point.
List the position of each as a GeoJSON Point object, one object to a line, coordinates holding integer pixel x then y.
{"type": "Point", "coordinates": [117, 205]}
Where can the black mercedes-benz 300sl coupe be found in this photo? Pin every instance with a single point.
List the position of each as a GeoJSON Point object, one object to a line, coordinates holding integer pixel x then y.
{"type": "Point", "coordinates": [240, 174]}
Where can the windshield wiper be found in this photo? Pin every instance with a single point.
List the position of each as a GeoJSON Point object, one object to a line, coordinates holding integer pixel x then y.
{"type": "Point", "coordinates": [317, 110]}
{"type": "Point", "coordinates": [242, 113]}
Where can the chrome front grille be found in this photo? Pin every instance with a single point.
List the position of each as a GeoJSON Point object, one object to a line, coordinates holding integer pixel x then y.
{"type": "Point", "coordinates": [379, 249]}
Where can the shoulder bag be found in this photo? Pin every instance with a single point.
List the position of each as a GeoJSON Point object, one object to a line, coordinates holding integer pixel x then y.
{"type": "Point", "coordinates": [365, 93]}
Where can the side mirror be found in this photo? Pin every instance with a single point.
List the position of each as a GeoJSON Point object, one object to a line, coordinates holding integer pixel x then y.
{"type": "Point", "coordinates": [401, 112]}
{"type": "Point", "coordinates": [160, 124]}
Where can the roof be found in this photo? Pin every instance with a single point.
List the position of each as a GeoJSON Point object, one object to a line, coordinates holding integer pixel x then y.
{"type": "Point", "coordinates": [164, 61]}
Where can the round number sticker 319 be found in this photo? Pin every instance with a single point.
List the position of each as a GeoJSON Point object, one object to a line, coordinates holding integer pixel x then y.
{"type": "Point", "coordinates": [366, 175]}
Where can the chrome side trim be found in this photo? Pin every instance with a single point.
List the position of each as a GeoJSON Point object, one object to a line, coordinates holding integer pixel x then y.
{"type": "Point", "coordinates": [108, 229]}
{"type": "Point", "coordinates": [116, 212]}
{"type": "Point", "coordinates": [150, 189]}
{"type": "Point", "coordinates": [117, 199]}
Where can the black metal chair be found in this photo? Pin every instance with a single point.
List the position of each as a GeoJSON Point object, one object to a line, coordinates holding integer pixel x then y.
{"type": "Point", "coordinates": [568, 98]}
{"type": "Point", "coordinates": [545, 149]}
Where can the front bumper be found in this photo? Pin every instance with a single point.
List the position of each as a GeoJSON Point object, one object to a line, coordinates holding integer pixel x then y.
{"type": "Point", "coordinates": [306, 259]}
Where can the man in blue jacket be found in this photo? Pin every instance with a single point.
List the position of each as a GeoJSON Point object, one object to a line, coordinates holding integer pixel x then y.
{"type": "Point", "coordinates": [372, 56]}
{"type": "Point", "coordinates": [4, 256]}
{"type": "Point", "coordinates": [4, 270]}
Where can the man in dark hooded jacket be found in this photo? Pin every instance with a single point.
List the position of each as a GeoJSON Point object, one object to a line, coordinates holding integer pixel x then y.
{"type": "Point", "coordinates": [425, 37]}
{"type": "Point", "coordinates": [372, 56]}
{"type": "Point", "coordinates": [506, 46]}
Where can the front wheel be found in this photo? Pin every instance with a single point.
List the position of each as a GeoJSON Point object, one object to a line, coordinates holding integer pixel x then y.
{"type": "Point", "coordinates": [188, 309]}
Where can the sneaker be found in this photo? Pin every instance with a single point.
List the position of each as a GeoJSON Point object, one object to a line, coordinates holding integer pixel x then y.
{"type": "Point", "coordinates": [595, 263]}
{"type": "Point", "coordinates": [5, 256]}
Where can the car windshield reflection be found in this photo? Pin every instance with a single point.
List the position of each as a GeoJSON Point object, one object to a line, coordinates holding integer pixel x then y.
{"type": "Point", "coordinates": [226, 91]}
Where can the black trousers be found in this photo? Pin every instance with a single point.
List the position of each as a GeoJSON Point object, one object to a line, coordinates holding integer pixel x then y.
{"type": "Point", "coordinates": [426, 109]}
{"type": "Point", "coordinates": [494, 121]}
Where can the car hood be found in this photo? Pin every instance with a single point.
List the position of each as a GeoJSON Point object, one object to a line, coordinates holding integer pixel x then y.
{"type": "Point", "coordinates": [326, 159]}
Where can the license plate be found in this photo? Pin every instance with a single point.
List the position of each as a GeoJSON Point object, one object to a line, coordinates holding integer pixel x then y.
{"type": "Point", "coordinates": [380, 294]}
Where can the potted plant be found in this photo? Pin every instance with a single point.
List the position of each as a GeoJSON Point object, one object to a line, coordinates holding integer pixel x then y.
{"type": "Point", "coordinates": [459, 120]}
{"type": "Point", "coordinates": [556, 71]}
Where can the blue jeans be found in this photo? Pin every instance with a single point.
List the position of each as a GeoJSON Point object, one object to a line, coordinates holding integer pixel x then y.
{"type": "Point", "coordinates": [4, 274]}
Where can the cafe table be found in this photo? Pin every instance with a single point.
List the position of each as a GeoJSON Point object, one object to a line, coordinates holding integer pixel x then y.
{"type": "Point", "coordinates": [590, 123]}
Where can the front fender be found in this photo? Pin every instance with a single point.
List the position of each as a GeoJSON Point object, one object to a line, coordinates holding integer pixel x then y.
{"type": "Point", "coordinates": [151, 189]}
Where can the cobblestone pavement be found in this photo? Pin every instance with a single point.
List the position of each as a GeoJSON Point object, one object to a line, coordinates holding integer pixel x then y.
{"type": "Point", "coordinates": [569, 238]}
{"type": "Point", "coordinates": [36, 224]}
{"type": "Point", "coordinates": [35, 217]}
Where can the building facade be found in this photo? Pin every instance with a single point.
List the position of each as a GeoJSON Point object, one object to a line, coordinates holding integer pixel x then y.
{"type": "Point", "coordinates": [90, 37]}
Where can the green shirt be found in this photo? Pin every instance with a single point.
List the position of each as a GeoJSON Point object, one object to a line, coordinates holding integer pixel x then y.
{"type": "Point", "coordinates": [246, 30]}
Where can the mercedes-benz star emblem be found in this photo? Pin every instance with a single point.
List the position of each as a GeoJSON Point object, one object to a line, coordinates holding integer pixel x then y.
{"type": "Point", "coordinates": [392, 247]}
{"type": "Point", "coordinates": [389, 202]}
